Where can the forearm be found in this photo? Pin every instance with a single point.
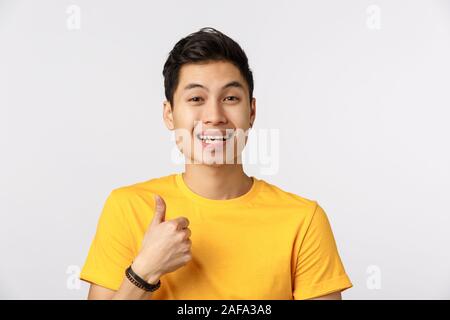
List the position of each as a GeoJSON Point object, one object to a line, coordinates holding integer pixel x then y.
{"type": "Point", "coordinates": [129, 291]}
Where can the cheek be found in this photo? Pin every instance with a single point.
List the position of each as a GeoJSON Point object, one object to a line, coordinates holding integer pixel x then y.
{"type": "Point", "coordinates": [239, 115]}
{"type": "Point", "coordinates": [185, 119]}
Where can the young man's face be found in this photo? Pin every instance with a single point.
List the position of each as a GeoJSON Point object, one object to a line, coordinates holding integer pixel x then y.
{"type": "Point", "coordinates": [212, 113]}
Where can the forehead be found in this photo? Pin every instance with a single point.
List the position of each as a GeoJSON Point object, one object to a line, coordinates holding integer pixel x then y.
{"type": "Point", "coordinates": [212, 74]}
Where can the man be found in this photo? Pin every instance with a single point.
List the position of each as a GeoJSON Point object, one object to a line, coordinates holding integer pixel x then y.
{"type": "Point", "coordinates": [211, 232]}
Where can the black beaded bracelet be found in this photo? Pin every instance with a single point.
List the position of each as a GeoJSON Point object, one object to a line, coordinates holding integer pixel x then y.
{"type": "Point", "coordinates": [139, 282]}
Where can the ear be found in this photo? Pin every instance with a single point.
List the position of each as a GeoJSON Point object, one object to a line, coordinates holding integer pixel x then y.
{"type": "Point", "coordinates": [168, 115]}
{"type": "Point", "coordinates": [252, 111]}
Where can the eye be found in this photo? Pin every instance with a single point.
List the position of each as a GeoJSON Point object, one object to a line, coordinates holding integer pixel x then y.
{"type": "Point", "coordinates": [233, 98]}
{"type": "Point", "coordinates": [195, 99]}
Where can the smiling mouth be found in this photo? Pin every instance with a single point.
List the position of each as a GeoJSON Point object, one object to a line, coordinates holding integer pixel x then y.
{"type": "Point", "coordinates": [214, 138]}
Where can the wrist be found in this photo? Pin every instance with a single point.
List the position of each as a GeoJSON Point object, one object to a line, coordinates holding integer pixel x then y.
{"type": "Point", "coordinates": [151, 277]}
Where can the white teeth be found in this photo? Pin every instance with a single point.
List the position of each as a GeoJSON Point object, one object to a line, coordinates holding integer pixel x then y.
{"type": "Point", "coordinates": [210, 139]}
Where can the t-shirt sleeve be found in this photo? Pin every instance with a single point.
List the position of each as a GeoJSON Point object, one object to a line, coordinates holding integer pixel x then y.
{"type": "Point", "coordinates": [319, 269]}
{"type": "Point", "coordinates": [111, 251]}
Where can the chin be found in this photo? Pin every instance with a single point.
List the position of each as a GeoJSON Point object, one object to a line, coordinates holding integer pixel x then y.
{"type": "Point", "coordinates": [213, 161]}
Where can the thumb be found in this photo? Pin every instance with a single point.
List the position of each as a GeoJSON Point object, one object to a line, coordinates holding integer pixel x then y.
{"type": "Point", "coordinates": [160, 210]}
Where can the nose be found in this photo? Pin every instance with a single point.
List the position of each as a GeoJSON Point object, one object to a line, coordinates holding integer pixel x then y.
{"type": "Point", "coordinates": [213, 114]}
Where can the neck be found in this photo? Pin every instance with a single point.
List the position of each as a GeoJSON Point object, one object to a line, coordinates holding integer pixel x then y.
{"type": "Point", "coordinates": [222, 182]}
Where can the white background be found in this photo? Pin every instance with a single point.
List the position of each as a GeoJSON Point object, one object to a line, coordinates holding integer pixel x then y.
{"type": "Point", "coordinates": [362, 113]}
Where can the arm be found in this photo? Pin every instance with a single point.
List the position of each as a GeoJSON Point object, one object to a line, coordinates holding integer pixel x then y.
{"type": "Point", "coordinates": [331, 296]}
{"type": "Point", "coordinates": [127, 290]}
{"type": "Point", "coordinates": [319, 271]}
{"type": "Point", "coordinates": [166, 247]}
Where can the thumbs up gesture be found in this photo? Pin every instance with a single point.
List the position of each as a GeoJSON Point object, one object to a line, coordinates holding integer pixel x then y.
{"type": "Point", "coordinates": [166, 245]}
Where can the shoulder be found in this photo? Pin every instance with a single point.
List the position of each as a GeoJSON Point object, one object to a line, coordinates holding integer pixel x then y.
{"type": "Point", "coordinates": [280, 197]}
{"type": "Point", "coordinates": [284, 196]}
{"type": "Point", "coordinates": [298, 212]}
{"type": "Point", "coordinates": [143, 190]}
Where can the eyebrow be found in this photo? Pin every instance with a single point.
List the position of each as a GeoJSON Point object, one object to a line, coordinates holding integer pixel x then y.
{"type": "Point", "coordinates": [235, 84]}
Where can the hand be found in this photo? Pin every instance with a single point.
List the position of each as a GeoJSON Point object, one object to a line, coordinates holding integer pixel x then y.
{"type": "Point", "coordinates": [166, 245]}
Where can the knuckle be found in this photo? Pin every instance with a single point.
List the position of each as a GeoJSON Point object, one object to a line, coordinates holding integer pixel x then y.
{"type": "Point", "coordinates": [172, 225]}
{"type": "Point", "coordinates": [187, 246]}
{"type": "Point", "coordinates": [181, 236]}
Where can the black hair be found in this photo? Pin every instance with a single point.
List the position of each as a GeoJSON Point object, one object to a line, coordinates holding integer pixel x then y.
{"type": "Point", "coordinates": [207, 44]}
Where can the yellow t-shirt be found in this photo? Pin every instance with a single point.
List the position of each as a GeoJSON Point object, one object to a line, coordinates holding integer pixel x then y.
{"type": "Point", "coordinates": [265, 244]}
